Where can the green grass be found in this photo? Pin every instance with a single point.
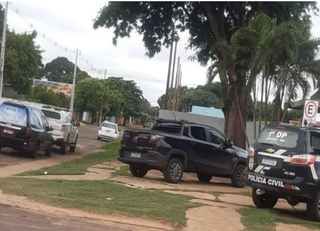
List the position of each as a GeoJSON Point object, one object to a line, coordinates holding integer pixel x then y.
{"type": "Point", "coordinates": [80, 166]}
{"type": "Point", "coordinates": [266, 219]}
{"type": "Point", "coordinates": [92, 196]}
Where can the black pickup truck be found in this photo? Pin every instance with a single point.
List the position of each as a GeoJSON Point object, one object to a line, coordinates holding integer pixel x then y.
{"type": "Point", "coordinates": [174, 147]}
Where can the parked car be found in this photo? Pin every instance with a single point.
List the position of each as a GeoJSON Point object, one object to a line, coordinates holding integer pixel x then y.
{"type": "Point", "coordinates": [284, 162]}
{"type": "Point", "coordinates": [65, 129]}
{"type": "Point", "coordinates": [24, 128]}
{"type": "Point", "coordinates": [174, 147]}
{"type": "Point", "coordinates": [108, 131]}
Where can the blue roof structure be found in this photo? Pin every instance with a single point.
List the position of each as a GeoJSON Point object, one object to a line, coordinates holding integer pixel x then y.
{"type": "Point", "coordinates": [207, 111]}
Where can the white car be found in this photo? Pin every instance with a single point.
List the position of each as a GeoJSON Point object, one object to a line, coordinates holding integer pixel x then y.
{"type": "Point", "coordinates": [65, 129]}
{"type": "Point", "coordinates": [108, 131]}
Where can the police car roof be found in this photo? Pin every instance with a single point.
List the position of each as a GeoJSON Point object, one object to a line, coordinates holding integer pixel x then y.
{"type": "Point", "coordinates": [287, 125]}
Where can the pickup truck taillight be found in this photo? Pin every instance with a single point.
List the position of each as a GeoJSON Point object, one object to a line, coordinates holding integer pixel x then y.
{"type": "Point", "coordinates": [304, 159]}
{"type": "Point", "coordinates": [155, 138]}
{"type": "Point", "coordinates": [63, 127]}
{"type": "Point", "coordinates": [28, 132]}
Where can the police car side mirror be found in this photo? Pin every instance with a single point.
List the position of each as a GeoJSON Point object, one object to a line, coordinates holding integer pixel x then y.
{"type": "Point", "coordinates": [229, 143]}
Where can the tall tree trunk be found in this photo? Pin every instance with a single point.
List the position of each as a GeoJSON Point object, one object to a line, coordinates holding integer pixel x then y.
{"type": "Point", "coordinates": [261, 101]}
{"type": "Point", "coordinates": [233, 120]}
{"type": "Point", "coordinates": [254, 112]}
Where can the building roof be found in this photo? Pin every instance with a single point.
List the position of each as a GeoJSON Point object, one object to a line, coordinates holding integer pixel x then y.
{"type": "Point", "coordinates": [207, 111]}
{"type": "Point", "coordinates": [66, 88]}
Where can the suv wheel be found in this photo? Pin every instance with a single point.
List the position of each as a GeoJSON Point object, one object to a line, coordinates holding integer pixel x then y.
{"type": "Point", "coordinates": [204, 177]}
{"type": "Point", "coordinates": [73, 148]}
{"type": "Point", "coordinates": [313, 208]}
{"type": "Point", "coordinates": [49, 149]}
{"type": "Point", "coordinates": [138, 172]}
{"type": "Point", "coordinates": [264, 201]}
{"type": "Point", "coordinates": [236, 178]}
{"type": "Point", "coordinates": [174, 171]}
{"type": "Point", "coordinates": [64, 147]}
{"type": "Point", "coordinates": [98, 138]}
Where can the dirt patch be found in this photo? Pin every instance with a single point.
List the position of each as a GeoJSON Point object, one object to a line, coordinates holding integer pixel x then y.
{"type": "Point", "coordinates": [213, 218]}
{"type": "Point", "coordinates": [287, 227]}
{"type": "Point", "coordinates": [200, 195]}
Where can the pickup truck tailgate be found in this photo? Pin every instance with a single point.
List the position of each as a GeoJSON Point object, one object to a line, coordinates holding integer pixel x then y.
{"type": "Point", "coordinates": [137, 140]}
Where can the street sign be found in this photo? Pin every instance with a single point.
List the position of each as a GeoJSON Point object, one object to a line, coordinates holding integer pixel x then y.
{"type": "Point", "coordinates": [310, 112]}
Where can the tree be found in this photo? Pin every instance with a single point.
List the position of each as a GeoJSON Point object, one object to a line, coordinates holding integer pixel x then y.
{"type": "Point", "coordinates": [21, 61]}
{"type": "Point", "coordinates": [62, 70]}
{"type": "Point", "coordinates": [207, 23]}
{"type": "Point", "coordinates": [42, 95]}
{"type": "Point", "coordinates": [90, 94]}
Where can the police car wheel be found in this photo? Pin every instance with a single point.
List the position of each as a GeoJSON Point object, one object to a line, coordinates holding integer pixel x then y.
{"type": "Point", "coordinates": [204, 177]}
{"type": "Point", "coordinates": [313, 208]}
{"type": "Point", "coordinates": [264, 201]}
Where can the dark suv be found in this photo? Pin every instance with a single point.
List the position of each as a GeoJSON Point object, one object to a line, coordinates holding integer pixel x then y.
{"type": "Point", "coordinates": [284, 162]}
{"type": "Point", "coordinates": [24, 128]}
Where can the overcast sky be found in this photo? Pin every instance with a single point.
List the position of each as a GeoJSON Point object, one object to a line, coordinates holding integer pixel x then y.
{"type": "Point", "coordinates": [69, 24]}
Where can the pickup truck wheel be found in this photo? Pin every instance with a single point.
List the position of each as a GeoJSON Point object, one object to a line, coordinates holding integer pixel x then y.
{"type": "Point", "coordinates": [313, 208]}
{"type": "Point", "coordinates": [204, 177]}
{"type": "Point", "coordinates": [34, 152]}
{"type": "Point", "coordinates": [138, 172]}
{"type": "Point", "coordinates": [64, 147]}
{"type": "Point", "coordinates": [73, 148]}
{"type": "Point", "coordinates": [236, 178]}
{"type": "Point", "coordinates": [264, 201]}
{"type": "Point", "coordinates": [174, 171]}
{"type": "Point", "coordinates": [49, 149]}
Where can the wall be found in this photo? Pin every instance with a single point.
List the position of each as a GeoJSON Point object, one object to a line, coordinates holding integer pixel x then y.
{"type": "Point", "coordinates": [205, 120]}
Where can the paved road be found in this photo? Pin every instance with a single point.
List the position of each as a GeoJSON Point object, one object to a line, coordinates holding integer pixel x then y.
{"type": "Point", "coordinates": [13, 219]}
{"type": "Point", "coordinates": [87, 143]}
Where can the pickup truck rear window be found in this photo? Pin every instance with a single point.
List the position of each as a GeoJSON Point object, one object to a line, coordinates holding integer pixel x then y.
{"type": "Point", "coordinates": [168, 127]}
{"type": "Point", "coordinates": [13, 114]}
{"type": "Point", "coordinates": [52, 114]}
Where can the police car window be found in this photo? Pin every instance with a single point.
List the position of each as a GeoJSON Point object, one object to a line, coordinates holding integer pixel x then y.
{"type": "Point", "coordinates": [315, 142]}
{"type": "Point", "coordinates": [280, 137]}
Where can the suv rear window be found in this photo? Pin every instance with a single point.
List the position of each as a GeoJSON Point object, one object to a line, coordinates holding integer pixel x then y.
{"type": "Point", "coordinates": [285, 138]}
{"type": "Point", "coordinates": [13, 114]}
{"type": "Point", "coordinates": [51, 114]}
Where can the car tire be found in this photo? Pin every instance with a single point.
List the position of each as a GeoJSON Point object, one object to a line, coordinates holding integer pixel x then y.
{"type": "Point", "coordinates": [264, 201]}
{"type": "Point", "coordinates": [138, 171]}
{"type": "Point", "coordinates": [98, 138]}
{"type": "Point", "coordinates": [313, 207]}
{"type": "Point", "coordinates": [236, 178]}
{"type": "Point", "coordinates": [204, 177]}
{"type": "Point", "coordinates": [174, 171]}
{"type": "Point", "coordinates": [64, 147]}
{"type": "Point", "coordinates": [34, 152]}
{"type": "Point", "coordinates": [73, 148]}
{"type": "Point", "coordinates": [48, 152]}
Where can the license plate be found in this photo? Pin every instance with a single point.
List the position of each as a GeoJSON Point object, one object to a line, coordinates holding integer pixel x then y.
{"type": "Point", "coordinates": [269, 162]}
{"type": "Point", "coordinates": [135, 154]}
{"type": "Point", "coordinates": [8, 131]}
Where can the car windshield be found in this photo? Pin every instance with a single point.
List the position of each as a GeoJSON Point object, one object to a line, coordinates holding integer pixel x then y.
{"type": "Point", "coordinates": [52, 114]}
{"type": "Point", "coordinates": [284, 138]}
{"type": "Point", "coordinates": [109, 125]}
{"type": "Point", "coordinates": [13, 114]}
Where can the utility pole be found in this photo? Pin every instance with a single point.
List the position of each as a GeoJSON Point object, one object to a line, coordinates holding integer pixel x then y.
{"type": "Point", "coordinates": [174, 97]}
{"type": "Point", "coordinates": [3, 48]}
{"type": "Point", "coordinates": [104, 77]}
{"type": "Point", "coordinates": [73, 84]}
{"type": "Point", "coordinates": [169, 71]}
{"type": "Point", "coordinates": [170, 103]}
{"type": "Point", "coordinates": [179, 87]}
